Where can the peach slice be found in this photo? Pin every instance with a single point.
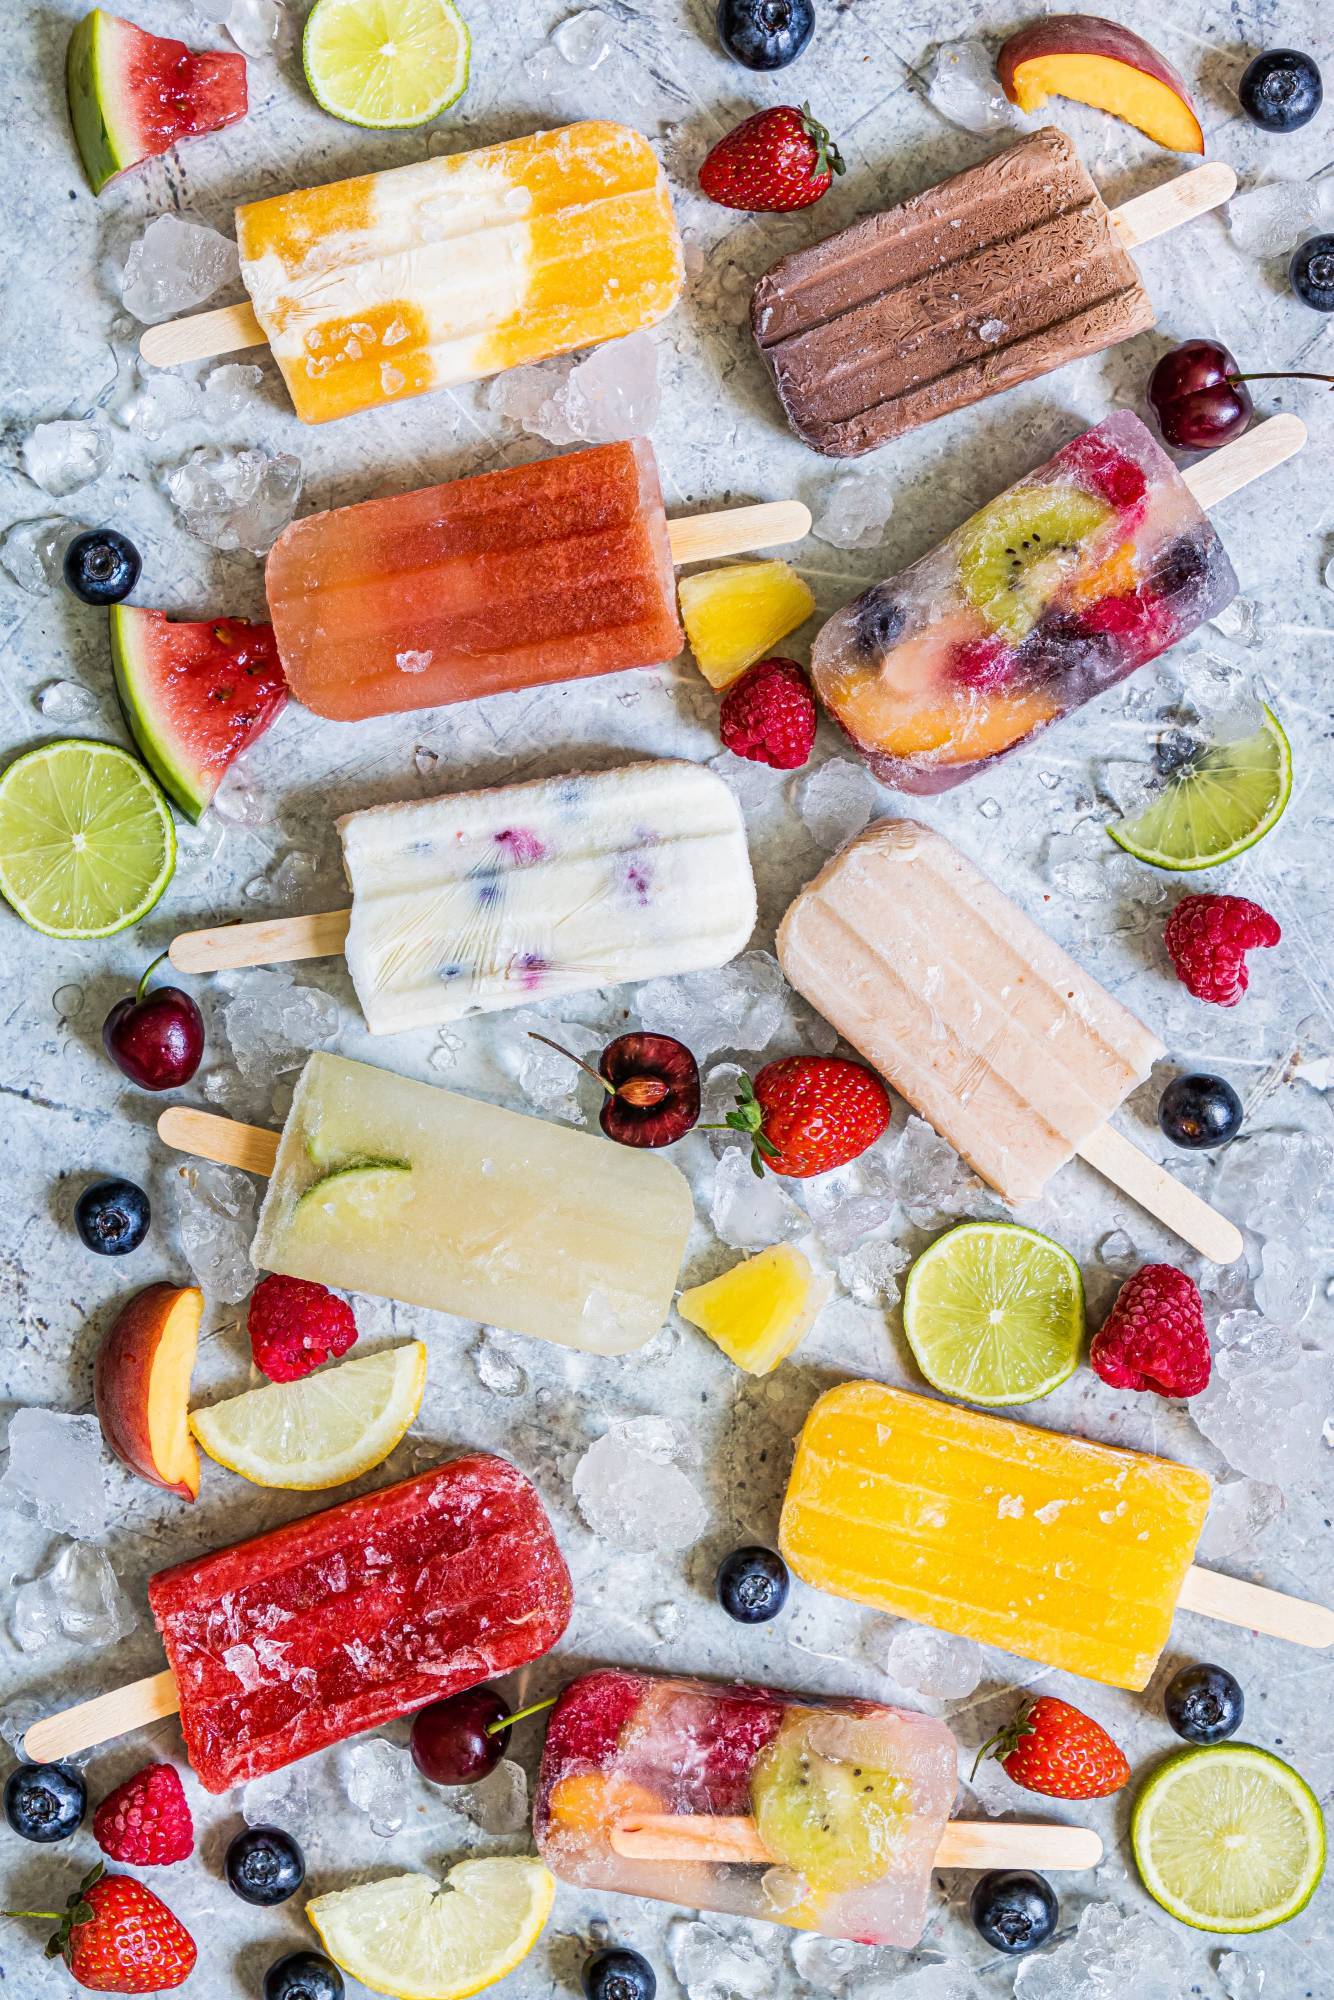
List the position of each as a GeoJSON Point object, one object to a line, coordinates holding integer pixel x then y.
{"type": "Point", "coordinates": [1100, 63]}
{"type": "Point", "coordinates": [589, 1802]}
{"type": "Point", "coordinates": [947, 732]}
{"type": "Point", "coordinates": [141, 1386]}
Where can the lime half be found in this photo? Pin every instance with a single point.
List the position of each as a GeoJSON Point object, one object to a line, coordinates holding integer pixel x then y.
{"type": "Point", "coordinates": [87, 842]}
{"type": "Point", "coordinates": [1216, 806]}
{"type": "Point", "coordinates": [1228, 1838]}
{"type": "Point", "coordinates": [994, 1313]}
{"type": "Point", "coordinates": [387, 64]}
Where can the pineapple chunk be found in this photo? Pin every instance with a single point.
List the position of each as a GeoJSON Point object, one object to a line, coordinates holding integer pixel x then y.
{"type": "Point", "coordinates": [735, 615]}
{"type": "Point", "coordinates": [759, 1310]}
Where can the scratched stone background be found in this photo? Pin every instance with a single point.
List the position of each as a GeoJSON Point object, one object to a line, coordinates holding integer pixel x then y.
{"type": "Point", "coordinates": [1036, 824]}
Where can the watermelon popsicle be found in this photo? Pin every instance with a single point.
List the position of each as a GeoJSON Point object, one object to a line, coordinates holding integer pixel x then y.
{"type": "Point", "coordinates": [341, 1622]}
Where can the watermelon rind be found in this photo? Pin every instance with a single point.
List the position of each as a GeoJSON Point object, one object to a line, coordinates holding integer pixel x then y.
{"type": "Point", "coordinates": [104, 124]}
{"type": "Point", "coordinates": [185, 784]}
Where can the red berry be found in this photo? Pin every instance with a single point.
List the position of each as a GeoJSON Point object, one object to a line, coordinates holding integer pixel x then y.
{"type": "Point", "coordinates": [118, 1937]}
{"type": "Point", "coordinates": [981, 664]}
{"type": "Point", "coordinates": [155, 1037]}
{"type": "Point", "coordinates": [1208, 938]}
{"type": "Point", "coordinates": [1098, 465]}
{"type": "Point", "coordinates": [1140, 619]}
{"type": "Point", "coordinates": [769, 715]}
{"type": "Point", "coordinates": [1197, 396]}
{"type": "Point", "coordinates": [654, 1086]}
{"type": "Point", "coordinates": [810, 1114]}
{"type": "Point", "coordinates": [1055, 1749]}
{"type": "Point", "coordinates": [450, 1740]}
{"type": "Point", "coordinates": [587, 1722]}
{"type": "Point", "coordinates": [778, 160]}
{"type": "Point", "coordinates": [295, 1325]}
{"type": "Point", "coordinates": [1154, 1337]}
{"type": "Point", "coordinates": [724, 1749]}
{"type": "Point", "coordinates": [146, 1821]}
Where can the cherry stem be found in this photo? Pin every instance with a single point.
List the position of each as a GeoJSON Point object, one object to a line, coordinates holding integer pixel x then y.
{"type": "Point", "coordinates": [522, 1714]}
{"type": "Point", "coordinates": [1281, 375]}
{"type": "Point", "coordinates": [142, 987]}
{"type": "Point", "coordinates": [578, 1061]}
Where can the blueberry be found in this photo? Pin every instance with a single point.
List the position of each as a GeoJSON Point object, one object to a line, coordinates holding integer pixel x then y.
{"type": "Point", "coordinates": [1199, 1111]}
{"type": "Point", "coordinates": [765, 34]}
{"type": "Point", "coordinates": [1014, 1910]}
{"type": "Point", "coordinates": [1311, 272]}
{"type": "Point", "coordinates": [112, 1217]}
{"type": "Point", "coordinates": [618, 1974]}
{"type": "Point", "coordinates": [264, 1865]}
{"type": "Point", "coordinates": [1281, 90]}
{"type": "Point", "coordinates": [878, 620]}
{"type": "Point", "coordinates": [303, 1975]}
{"type": "Point", "coordinates": [45, 1802]}
{"type": "Point", "coordinates": [102, 566]}
{"type": "Point", "coordinates": [1204, 1704]}
{"type": "Point", "coordinates": [1183, 565]}
{"type": "Point", "coordinates": [752, 1585]}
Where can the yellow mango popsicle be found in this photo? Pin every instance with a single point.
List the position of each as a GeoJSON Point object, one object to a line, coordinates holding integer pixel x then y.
{"type": "Point", "coordinates": [374, 289]}
{"type": "Point", "coordinates": [1052, 1547]}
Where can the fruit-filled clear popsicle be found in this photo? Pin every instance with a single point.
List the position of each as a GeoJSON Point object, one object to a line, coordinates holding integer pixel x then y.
{"type": "Point", "coordinates": [551, 571]}
{"type": "Point", "coordinates": [823, 1814]}
{"type": "Point", "coordinates": [1049, 595]}
{"type": "Point", "coordinates": [521, 893]}
{"type": "Point", "coordinates": [444, 271]}
{"type": "Point", "coordinates": [388, 1186]}
{"type": "Point", "coordinates": [341, 1622]}
{"type": "Point", "coordinates": [980, 1020]}
{"type": "Point", "coordinates": [1060, 1550]}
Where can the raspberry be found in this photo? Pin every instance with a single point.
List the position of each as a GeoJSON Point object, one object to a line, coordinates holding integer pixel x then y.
{"type": "Point", "coordinates": [981, 664]}
{"type": "Point", "coordinates": [1104, 470]}
{"type": "Point", "coordinates": [720, 1781]}
{"type": "Point", "coordinates": [1208, 937]}
{"type": "Point", "coordinates": [1154, 1337]}
{"type": "Point", "coordinates": [1142, 622]}
{"type": "Point", "coordinates": [146, 1821]}
{"type": "Point", "coordinates": [769, 715]}
{"type": "Point", "coordinates": [587, 1721]}
{"type": "Point", "coordinates": [294, 1326]}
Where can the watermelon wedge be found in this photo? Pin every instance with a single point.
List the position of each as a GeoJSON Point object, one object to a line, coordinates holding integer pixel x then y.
{"type": "Point", "coordinates": [194, 696]}
{"type": "Point", "coordinates": [132, 95]}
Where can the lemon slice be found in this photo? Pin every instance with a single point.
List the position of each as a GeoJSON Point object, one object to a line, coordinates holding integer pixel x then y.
{"type": "Point", "coordinates": [1216, 806]}
{"type": "Point", "coordinates": [1228, 1838]}
{"type": "Point", "coordinates": [327, 1428]}
{"type": "Point", "coordinates": [387, 64]}
{"type": "Point", "coordinates": [421, 1940]}
{"type": "Point", "coordinates": [87, 843]}
{"type": "Point", "coordinates": [994, 1313]}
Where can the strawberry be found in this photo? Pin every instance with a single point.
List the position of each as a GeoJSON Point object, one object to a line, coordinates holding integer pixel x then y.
{"type": "Point", "coordinates": [589, 1718]}
{"type": "Point", "coordinates": [146, 1821]}
{"type": "Point", "coordinates": [808, 1114]}
{"type": "Point", "coordinates": [116, 1936]}
{"type": "Point", "coordinates": [778, 160]}
{"type": "Point", "coordinates": [1052, 1748]}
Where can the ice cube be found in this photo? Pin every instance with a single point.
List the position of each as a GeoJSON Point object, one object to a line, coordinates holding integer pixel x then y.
{"type": "Point", "coordinates": [377, 1776]}
{"type": "Point", "coordinates": [1241, 1978]}
{"type": "Point", "coordinates": [583, 39]}
{"type": "Point", "coordinates": [1270, 221]}
{"type": "Point", "coordinates": [832, 1966]}
{"type": "Point", "coordinates": [836, 801]}
{"type": "Point", "coordinates": [750, 1211]}
{"type": "Point", "coordinates": [498, 1803]}
{"type": "Point", "coordinates": [32, 553]}
{"type": "Point", "coordinates": [157, 403]}
{"type": "Point", "coordinates": [854, 510]}
{"type": "Point", "coordinates": [934, 1663]}
{"type": "Point", "coordinates": [1265, 1402]}
{"type": "Point", "coordinates": [271, 1025]}
{"type": "Point", "coordinates": [1272, 1181]}
{"type": "Point", "coordinates": [215, 1213]}
{"type": "Point", "coordinates": [236, 499]}
{"type": "Point", "coordinates": [78, 1598]}
{"type": "Point", "coordinates": [1286, 1285]}
{"type": "Point", "coordinates": [497, 1370]}
{"type": "Point", "coordinates": [1241, 1513]}
{"type": "Point", "coordinates": [65, 701]}
{"type": "Point", "coordinates": [175, 266]}
{"type": "Point", "coordinates": [665, 1621]}
{"type": "Point", "coordinates": [229, 390]}
{"type": "Point", "coordinates": [631, 1491]}
{"type": "Point", "coordinates": [1110, 1957]}
{"type": "Point", "coordinates": [1240, 621]}
{"type": "Point", "coordinates": [1117, 1253]}
{"type": "Point", "coordinates": [962, 85]}
{"type": "Point", "coordinates": [66, 455]}
{"type": "Point", "coordinates": [259, 27]}
{"type": "Point", "coordinates": [871, 1274]}
{"type": "Point", "coordinates": [56, 1471]}
{"type": "Point", "coordinates": [612, 394]}
{"type": "Point", "coordinates": [738, 1006]}
{"type": "Point", "coordinates": [932, 1181]}
{"type": "Point", "coordinates": [550, 1081]}
{"type": "Point", "coordinates": [238, 802]}
{"type": "Point", "coordinates": [711, 1965]}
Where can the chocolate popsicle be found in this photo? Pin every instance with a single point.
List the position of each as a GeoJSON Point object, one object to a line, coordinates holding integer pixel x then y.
{"type": "Point", "coordinates": [1000, 273]}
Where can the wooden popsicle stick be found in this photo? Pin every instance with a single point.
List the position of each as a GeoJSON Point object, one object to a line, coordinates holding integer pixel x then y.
{"type": "Point", "coordinates": [280, 941]}
{"type": "Point", "coordinates": [1176, 201]}
{"type": "Point", "coordinates": [89, 1723]}
{"type": "Point", "coordinates": [207, 1136]}
{"type": "Point", "coordinates": [963, 1844]}
{"type": "Point", "coordinates": [1233, 1601]}
{"type": "Point", "coordinates": [1248, 457]}
{"type": "Point", "coordinates": [768, 525]}
{"type": "Point", "coordinates": [202, 336]}
{"type": "Point", "coordinates": [1178, 1208]}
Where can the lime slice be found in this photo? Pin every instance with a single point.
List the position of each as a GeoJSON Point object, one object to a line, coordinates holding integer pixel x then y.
{"type": "Point", "coordinates": [386, 63]}
{"type": "Point", "coordinates": [1228, 1838]}
{"type": "Point", "coordinates": [994, 1313]}
{"type": "Point", "coordinates": [87, 843]}
{"type": "Point", "coordinates": [321, 1431]}
{"type": "Point", "coordinates": [420, 1939]}
{"type": "Point", "coordinates": [1216, 806]}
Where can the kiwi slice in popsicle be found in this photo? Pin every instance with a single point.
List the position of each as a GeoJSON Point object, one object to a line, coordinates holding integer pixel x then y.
{"type": "Point", "coordinates": [834, 1822]}
{"type": "Point", "coordinates": [1015, 553]}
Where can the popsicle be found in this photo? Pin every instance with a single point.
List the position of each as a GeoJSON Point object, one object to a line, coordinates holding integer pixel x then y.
{"type": "Point", "coordinates": [491, 899]}
{"type": "Point", "coordinates": [980, 1020]}
{"type": "Point", "coordinates": [550, 571]}
{"type": "Point", "coordinates": [446, 270]}
{"type": "Point", "coordinates": [999, 274]}
{"type": "Point", "coordinates": [340, 1622]}
{"type": "Point", "coordinates": [824, 1814]}
{"type": "Point", "coordinates": [1049, 595]}
{"type": "Point", "coordinates": [1063, 1551]}
{"type": "Point", "coordinates": [388, 1186]}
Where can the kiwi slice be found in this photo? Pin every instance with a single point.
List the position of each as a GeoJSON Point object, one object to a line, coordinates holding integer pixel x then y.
{"type": "Point", "coordinates": [1016, 552]}
{"type": "Point", "coordinates": [834, 1822]}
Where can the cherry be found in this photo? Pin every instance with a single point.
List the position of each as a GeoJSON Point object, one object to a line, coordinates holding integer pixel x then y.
{"type": "Point", "coordinates": [458, 1741]}
{"type": "Point", "coordinates": [1200, 398]}
{"type": "Point", "coordinates": [156, 1038]}
{"type": "Point", "coordinates": [652, 1088]}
